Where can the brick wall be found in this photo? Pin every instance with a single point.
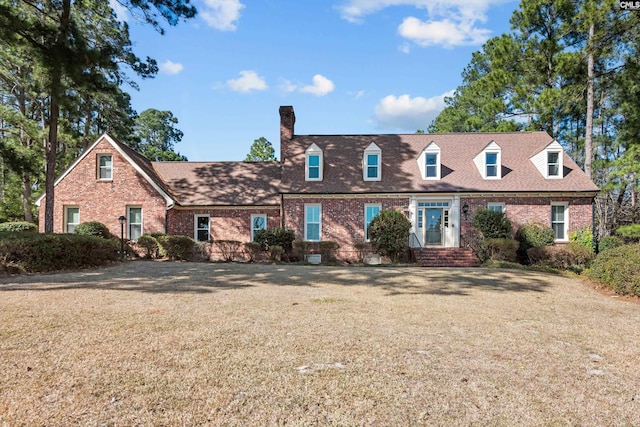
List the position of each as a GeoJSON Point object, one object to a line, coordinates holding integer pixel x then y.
{"type": "Point", "coordinates": [522, 210]}
{"type": "Point", "coordinates": [342, 219]}
{"type": "Point", "coordinates": [105, 201]}
{"type": "Point", "coordinates": [224, 224]}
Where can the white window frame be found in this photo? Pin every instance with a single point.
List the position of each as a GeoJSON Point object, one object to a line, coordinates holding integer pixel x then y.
{"type": "Point", "coordinates": [307, 222]}
{"type": "Point", "coordinates": [493, 205]}
{"type": "Point", "coordinates": [253, 230]}
{"type": "Point", "coordinates": [313, 150]}
{"type": "Point", "coordinates": [497, 165]}
{"type": "Point", "coordinates": [427, 166]}
{"type": "Point", "coordinates": [366, 224]}
{"type": "Point", "coordinates": [559, 164]}
{"type": "Point", "coordinates": [372, 150]}
{"type": "Point", "coordinates": [100, 168]}
{"type": "Point", "coordinates": [565, 206]}
{"type": "Point", "coordinates": [66, 219]}
{"type": "Point", "coordinates": [432, 148]}
{"type": "Point", "coordinates": [196, 229]}
{"type": "Point", "coordinates": [129, 223]}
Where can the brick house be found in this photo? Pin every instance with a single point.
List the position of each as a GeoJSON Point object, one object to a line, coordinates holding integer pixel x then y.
{"type": "Point", "coordinates": [329, 187]}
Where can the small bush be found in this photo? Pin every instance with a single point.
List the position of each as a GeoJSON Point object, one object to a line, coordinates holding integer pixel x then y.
{"type": "Point", "coordinates": [502, 249]}
{"type": "Point", "coordinates": [36, 253]}
{"type": "Point", "coordinates": [583, 237]}
{"type": "Point", "coordinates": [533, 235]}
{"type": "Point", "coordinates": [252, 249]}
{"type": "Point", "coordinates": [492, 224]}
{"type": "Point", "coordinates": [19, 227]}
{"type": "Point", "coordinates": [630, 233]}
{"type": "Point", "coordinates": [150, 245]}
{"type": "Point", "coordinates": [563, 257]}
{"type": "Point", "coordinates": [93, 228]}
{"type": "Point", "coordinates": [275, 237]}
{"type": "Point", "coordinates": [275, 252]}
{"type": "Point", "coordinates": [617, 268]}
{"type": "Point", "coordinates": [389, 232]}
{"type": "Point", "coordinates": [609, 242]}
{"type": "Point", "coordinates": [228, 248]}
{"type": "Point", "coordinates": [176, 247]}
{"type": "Point", "coordinates": [328, 250]}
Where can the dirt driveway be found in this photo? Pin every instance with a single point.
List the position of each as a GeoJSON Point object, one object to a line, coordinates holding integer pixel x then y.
{"type": "Point", "coordinates": [159, 343]}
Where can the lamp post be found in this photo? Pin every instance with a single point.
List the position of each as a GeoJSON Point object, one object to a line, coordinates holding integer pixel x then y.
{"type": "Point", "coordinates": [122, 220]}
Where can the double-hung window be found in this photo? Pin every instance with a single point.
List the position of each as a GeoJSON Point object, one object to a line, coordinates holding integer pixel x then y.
{"type": "Point", "coordinates": [312, 224]}
{"type": "Point", "coordinates": [372, 163]}
{"type": "Point", "coordinates": [313, 163]}
{"type": "Point", "coordinates": [370, 212]}
{"type": "Point", "coordinates": [497, 207]}
{"type": "Point", "coordinates": [559, 220]}
{"type": "Point", "coordinates": [134, 219]}
{"type": "Point", "coordinates": [431, 160]}
{"type": "Point", "coordinates": [72, 219]}
{"type": "Point", "coordinates": [258, 222]}
{"type": "Point", "coordinates": [553, 163]}
{"type": "Point", "coordinates": [105, 166]}
{"type": "Point", "coordinates": [373, 166]}
{"type": "Point", "coordinates": [491, 164]}
{"type": "Point", "coordinates": [201, 232]}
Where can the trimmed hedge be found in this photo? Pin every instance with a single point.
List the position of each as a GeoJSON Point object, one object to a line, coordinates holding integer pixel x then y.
{"type": "Point", "coordinates": [617, 268]}
{"type": "Point", "coordinates": [562, 257]}
{"type": "Point", "coordinates": [176, 247]}
{"type": "Point", "coordinates": [389, 233]}
{"type": "Point", "coordinates": [93, 228]}
{"type": "Point", "coordinates": [18, 227]}
{"type": "Point", "coordinates": [275, 237]}
{"type": "Point", "coordinates": [150, 246]}
{"type": "Point", "coordinates": [533, 235]}
{"type": "Point", "coordinates": [502, 249]}
{"type": "Point", "coordinates": [37, 253]}
{"type": "Point", "coordinates": [492, 224]}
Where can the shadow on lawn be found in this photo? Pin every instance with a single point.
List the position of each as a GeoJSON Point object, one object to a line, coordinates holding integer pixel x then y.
{"type": "Point", "coordinates": [183, 277]}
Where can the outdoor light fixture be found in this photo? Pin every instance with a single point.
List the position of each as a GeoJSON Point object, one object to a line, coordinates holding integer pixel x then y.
{"type": "Point", "coordinates": [465, 211]}
{"type": "Point", "coordinates": [122, 220]}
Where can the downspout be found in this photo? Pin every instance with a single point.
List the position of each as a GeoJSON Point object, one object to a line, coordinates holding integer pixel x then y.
{"type": "Point", "coordinates": [282, 211]}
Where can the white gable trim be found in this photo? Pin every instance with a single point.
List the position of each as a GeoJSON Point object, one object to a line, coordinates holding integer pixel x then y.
{"type": "Point", "coordinates": [170, 202]}
{"type": "Point", "coordinates": [540, 160]}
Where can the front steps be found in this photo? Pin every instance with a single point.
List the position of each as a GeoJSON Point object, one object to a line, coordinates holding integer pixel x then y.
{"type": "Point", "coordinates": [445, 257]}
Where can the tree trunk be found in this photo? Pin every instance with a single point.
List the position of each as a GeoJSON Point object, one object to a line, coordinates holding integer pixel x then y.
{"type": "Point", "coordinates": [588, 134]}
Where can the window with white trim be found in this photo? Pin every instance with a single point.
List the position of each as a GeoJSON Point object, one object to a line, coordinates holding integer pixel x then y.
{"type": "Point", "coordinates": [201, 228]}
{"type": "Point", "coordinates": [312, 223]}
{"type": "Point", "coordinates": [313, 163]}
{"type": "Point", "coordinates": [258, 222]}
{"type": "Point", "coordinates": [134, 221]}
{"type": "Point", "coordinates": [491, 163]}
{"type": "Point", "coordinates": [497, 207]}
{"type": "Point", "coordinates": [105, 166]}
{"type": "Point", "coordinates": [553, 163]}
{"type": "Point", "coordinates": [431, 165]}
{"type": "Point", "coordinates": [71, 218]}
{"type": "Point", "coordinates": [559, 220]}
{"type": "Point", "coordinates": [372, 163]}
{"type": "Point", "coordinates": [429, 162]}
{"type": "Point", "coordinates": [370, 212]}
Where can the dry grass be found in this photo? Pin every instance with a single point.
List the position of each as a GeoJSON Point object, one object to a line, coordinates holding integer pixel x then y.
{"type": "Point", "coordinates": [149, 343]}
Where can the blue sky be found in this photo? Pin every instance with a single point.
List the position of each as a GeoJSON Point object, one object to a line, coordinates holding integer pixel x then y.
{"type": "Point", "coordinates": [346, 66]}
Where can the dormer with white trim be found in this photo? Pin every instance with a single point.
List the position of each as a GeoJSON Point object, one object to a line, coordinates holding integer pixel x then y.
{"type": "Point", "coordinates": [489, 161]}
{"type": "Point", "coordinates": [549, 161]}
{"type": "Point", "coordinates": [372, 163]}
{"type": "Point", "coordinates": [313, 163]}
{"type": "Point", "coordinates": [429, 162]}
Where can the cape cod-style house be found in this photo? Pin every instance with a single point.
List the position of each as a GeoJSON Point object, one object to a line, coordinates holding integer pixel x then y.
{"type": "Point", "coordinates": [329, 187]}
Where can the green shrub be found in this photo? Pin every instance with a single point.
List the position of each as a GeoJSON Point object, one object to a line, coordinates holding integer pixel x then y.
{"type": "Point", "coordinates": [35, 253]}
{"type": "Point", "coordinates": [19, 227]}
{"type": "Point", "coordinates": [93, 228]}
{"type": "Point", "coordinates": [176, 247]}
{"type": "Point", "coordinates": [609, 242]}
{"type": "Point", "coordinates": [617, 268]}
{"type": "Point", "coordinates": [150, 245]}
{"type": "Point", "coordinates": [492, 224]}
{"type": "Point", "coordinates": [583, 237]}
{"type": "Point", "coordinates": [275, 237]}
{"type": "Point", "coordinates": [275, 252]}
{"type": "Point", "coordinates": [389, 232]}
{"type": "Point", "coordinates": [502, 249]}
{"type": "Point", "coordinates": [630, 233]}
{"type": "Point", "coordinates": [533, 235]}
{"type": "Point", "coordinates": [563, 257]}
{"type": "Point", "coordinates": [252, 249]}
{"type": "Point", "coordinates": [328, 250]}
{"type": "Point", "coordinates": [228, 248]}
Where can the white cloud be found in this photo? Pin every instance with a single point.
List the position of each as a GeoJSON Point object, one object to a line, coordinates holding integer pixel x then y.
{"type": "Point", "coordinates": [168, 67]}
{"type": "Point", "coordinates": [320, 87]}
{"type": "Point", "coordinates": [288, 87]}
{"type": "Point", "coordinates": [448, 22]}
{"type": "Point", "coordinates": [221, 14]}
{"type": "Point", "coordinates": [122, 13]}
{"type": "Point", "coordinates": [406, 113]}
{"type": "Point", "coordinates": [247, 82]}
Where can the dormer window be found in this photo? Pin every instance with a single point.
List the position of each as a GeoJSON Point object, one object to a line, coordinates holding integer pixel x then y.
{"type": "Point", "coordinates": [429, 162]}
{"type": "Point", "coordinates": [553, 163]}
{"type": "Point", "coordinates": [105, 166]}
{"type": "Point", "coordinates": [313, 163]}
{"type": "Point", "coordinates": [489, 161]}
{"type": "Point", "coordinates": [372, 163]}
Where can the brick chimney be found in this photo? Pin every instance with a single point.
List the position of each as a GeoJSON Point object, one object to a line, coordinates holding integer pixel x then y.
{"type": "Point", "coordinates": [287, 120]}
